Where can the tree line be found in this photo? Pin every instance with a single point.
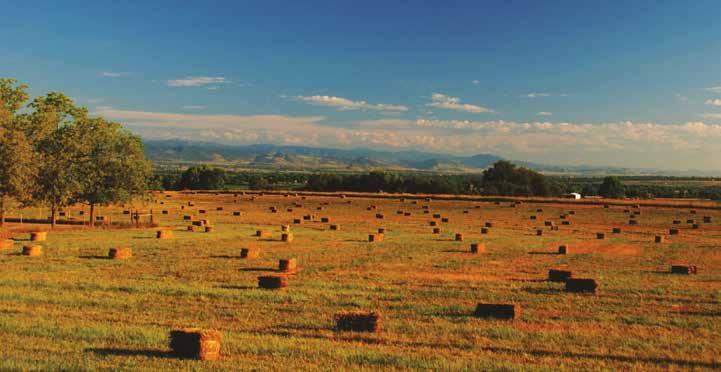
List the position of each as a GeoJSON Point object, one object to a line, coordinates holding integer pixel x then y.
{"type": "Point", "coordinates": [54, 154]}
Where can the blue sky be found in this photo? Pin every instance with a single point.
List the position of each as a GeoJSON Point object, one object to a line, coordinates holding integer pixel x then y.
{"type": "Point", "coordinates": [620, 83]}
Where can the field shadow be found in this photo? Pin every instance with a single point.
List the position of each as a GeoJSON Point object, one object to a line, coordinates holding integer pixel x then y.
{"type": "Point", "coordinates": [542, 252]}
{"type": "Point", "coordinates": [542, 291]}
{"type": "Point", "coordinates": [528, 280]}
{"type": "Point", "coordinates": [225, 256]}
{"type": "Point", "coordinates": [243, 287]}
{"type": "Point", "coordinates": [94, 257]}
{"type": "Point", "coordinates": [260, 269]}
{"type": "Point", "coordinates": [456, 251]}
{"type": "Point", "coordinates": [143, 237]}
{"type": "Point", "coordinates": [106, 351]}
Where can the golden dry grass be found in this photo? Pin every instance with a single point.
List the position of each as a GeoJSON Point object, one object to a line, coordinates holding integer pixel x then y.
{"type": "Point", "coordinates": [72, 308]}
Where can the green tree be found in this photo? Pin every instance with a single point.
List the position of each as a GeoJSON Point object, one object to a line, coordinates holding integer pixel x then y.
{"type": "Point", "coordinates": [61, 148]}
{"type": "Point", "coordinates": [612, 188]}
{"type": "Point", "coordinates": [16, 153]}
{"type": "Point", "coordinates": [114, 168]}
{"type": "Point", "coordinates": [202, 177]}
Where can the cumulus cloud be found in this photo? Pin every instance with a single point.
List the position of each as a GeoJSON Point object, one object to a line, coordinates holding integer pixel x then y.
{"type": "Point", "coordinates": [343, 104]}
{"type": "Point", "coordinates": [443, 101]}
{"type": "Point", "coordinates": [196, 81]}
{"type": "Point", "coordinates": [194, 107]}
{"type": "Point", "coordinates": [476, 82]}
{"type": "Point", "coordinates": [711, 116]}
{"type": "Point", "coordinates": [629, 144]}
{"type": "Point", "coordinates": [714, 89]}
{"type": "Point", "coordinates": [714, 102]}
{"type": "Point", "coordinates": [544, 113]}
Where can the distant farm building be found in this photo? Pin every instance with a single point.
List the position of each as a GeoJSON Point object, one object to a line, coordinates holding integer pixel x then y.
{"type": "Point", "coordinates": [573, 195]}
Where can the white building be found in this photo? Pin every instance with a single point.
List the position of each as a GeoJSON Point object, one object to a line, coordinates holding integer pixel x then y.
{"type": "Point", "coordinates": [573, 195]}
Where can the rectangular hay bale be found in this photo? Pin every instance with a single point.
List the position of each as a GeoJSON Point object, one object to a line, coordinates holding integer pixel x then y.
{"type": "Point", "coordinates": [498, 311]}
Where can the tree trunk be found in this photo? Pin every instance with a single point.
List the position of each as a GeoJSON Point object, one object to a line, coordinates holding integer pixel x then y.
{"type": "Point", "coordinates": [2, 211]}
{"type": "Point", "coordinates": [53, 212]}
{"type": "Point", "coordinates": [92, 215]}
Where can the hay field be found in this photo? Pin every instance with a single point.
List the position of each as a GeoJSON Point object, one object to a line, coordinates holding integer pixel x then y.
{"type": "Point", "coordinates": [72, 308]}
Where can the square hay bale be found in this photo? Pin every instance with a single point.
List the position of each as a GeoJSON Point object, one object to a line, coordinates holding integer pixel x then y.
{"type": "Point", "coordinates": [436, 215]}
{"type": "Point", "coordinates": [287, 237]}
{"type": "Point", "coordinates": [465, 212]}
{"type": "Point", "coordinates": [32, 250]}
{"type": "Point", "coordinates": [209, 229]}
{"type": "Point", "coordinates": [571, 212]}
{"type": "Point", "coordinates": [379, 216]}
{"type": "Point", "coordinates": [272, 281]}
{"type": "Point", "coordinates": [693, 211]}
{"type": "Point", "coordinates": [616, 230]}
{"type": "Point", "coordinates": [558, 275]}
{"type": "Point", "coordinates": [706, 219]}
{"type": "Point", "coordinates": [554, 228]}
{"type": "Point", "coordinates": [659, 239]}
{"type": "Point", "coordinates": [191, 228]}
{"type": "Point", "coordinates": [676, 222]}
{"type": "Point", "coordinates": [690, 221]}
{"type": "Point", "coordinates": [407, 214]}
{"type": "Point", "coordinates": [489, 224]}
{"type": "Point", "coordinates": [436, 230]}
{"type": "Point", "coordinates": [219, 209]}
{"type": "Point", "coordinates": [187, 217]}
{"type": "Point", "coordinates": [562, 216]}
{"type": "Point", "coordinates": [250, 253]}
{"type": "Point", "coordinates": [81, 213]}
{"type": "Point", "coordinates": [164, 211]}
{"type": "Point", "coordinates": [426, 211]}
{"type": "Point", "coordinates": [307, 217]}
{"type": "Point", "coordinates": [194, 343]}
{"type": "Point", "coordinates": [297, 221]}
{"type": "Point", "coordinates": [606, 206]}
{"type": "Point", "coordinates": [126, 212]}
{"type": "Point", "coordinates": [539, 210]}
{"type": "Point", "coordinates": [284, 228]}
{"type": "Point", "coordinates": [498, 311]}
{"type": "Point", "coordinates": [289, 265]}
{"type": "Point", "coordinates": [673, 231]}
{"type": "Point", "coordinates": [375, 238]}
{"type": "Point", "coordinates": [164, 234]}
{"type": "Point", "coordinates": [198, 223]}
{"type": "Point", "coordinates": [6, 243]}
{"type": "Point", "coordinates": [381, 230]}
{"type": "Point", "coordinates": [120, 253]}
{"type": "Point", "coordinates": [633, 222]}
{"type": "Point", "coordinates": [539, 232]}
{"type": "Point", "coordinates": [399, 212]}
{"type": "Point", "coordinates": [638, 213]}
{"type": "Point", "coordinates": [533, 218]}
{"type": "Point", "coordinates": [262, 233]}
{"type": "Point", "coordinates": [325, 220]}
{"type": "Point", "coordinates": [548, 223]}
{"type": "Point", "coordinates": [358, 321]}
{"type": "Point", "coordinates": [684, 269]}
{"type": "Point", "coordinates": [565, 222]}
{"type": "Point", "coordinates": [485, 231]}
{"type": "Point", "coordinates": [289, 210]}
{"type": "Point", "coordinates": [581, 285]}
{"type": "Point", "coordinates": [459, 237]}
{"type": "Point", "coordinates": [695, 226]}
{"type": "Point", "coordinates": [600, 235]}
{"type": "Point", "coordinates": [444, 220]}
{"type": "Point", "coordinates": [564, 249]}
{"type": "Point", "coordinates": [335, 227]}
{"type": "Point", "coordinates": [201, 211]}
{"type": "Point", "coordinates": [236, 214]}
{"type": "Point", "coordinates": [478, 248]}
{"type": "Point", "coordinates": [433, 223]}
{"type": "Point", "coordinates": [38, 236]}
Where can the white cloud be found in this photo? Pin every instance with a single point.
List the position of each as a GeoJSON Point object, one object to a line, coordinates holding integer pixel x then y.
{"type": "Point", "coordinates": [113, 74]}
{"type": "Point", "coordinates": [714, 89]}
{"type": "Point", "coordinates": [196, 81]}
{"type": "Point", "coordinates": [345, 104]}
{"type": "Point", "coordinates": [711, 116]}
{"type": "Point", "coordinates": [535, 95]}
{"type": "Point", "coordinates": [714, 102]}
{"type": "Point", "coordinates": [628, 144]}
{"type": "Point", "coordinates": [195, 107]}
{"type": "Point", "coordinates": [544, 113]}
{"type": "Point", "coordinates": [476, 82]}
{"type": "Point", "coordinates": [452, 103]}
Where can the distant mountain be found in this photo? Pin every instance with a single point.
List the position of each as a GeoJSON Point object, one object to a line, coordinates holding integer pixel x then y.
{"type": "Point", "coordinates": [179, 152]}
{"type": "Point", "coordinates": [300, 157]}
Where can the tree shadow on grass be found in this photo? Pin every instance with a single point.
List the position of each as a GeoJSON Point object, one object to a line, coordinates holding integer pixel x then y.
{"type": "Point", "coordinates": [226, 256]}
{"type": "Point", "coordinates": [457, 251]}
{"type": "Point", "coordinates": [547, 253]}
{"type": "Point", "coordinates": [106, 351]}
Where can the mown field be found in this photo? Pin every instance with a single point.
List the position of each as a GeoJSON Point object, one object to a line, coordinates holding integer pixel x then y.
{"type": "Point", "coordinates": [72, 308]}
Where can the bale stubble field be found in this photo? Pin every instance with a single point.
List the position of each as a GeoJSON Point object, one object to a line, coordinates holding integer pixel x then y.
{"type": "Point", "coordinates": [74, 308]}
